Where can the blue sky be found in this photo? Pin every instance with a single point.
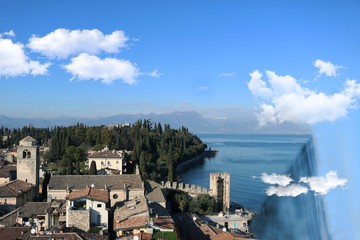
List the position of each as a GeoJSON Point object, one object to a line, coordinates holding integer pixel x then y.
{"type": "Point", "coordinates": [162, 56]}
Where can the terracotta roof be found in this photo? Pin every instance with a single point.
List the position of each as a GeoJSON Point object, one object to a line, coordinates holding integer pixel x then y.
{"type": "Point", "coordinates": [166, 222]}
{"type": "Point", "coordinates": [58, 236]}
{"type": "Point", "coordinates": [227, 236]}
{"type": "Point", "coordinates": [15, 188]}
{"type": "Point", "coordinates": [133, 214]}
{"type": "Point", "coordinates": [106, 154]}
{"type": "Point", "coordinates": [132, 223]}
{"type": "Point", "coordinates": [34, 208]}
{"type": "Point", "coordinates": [90, 193]}
{"type": "Point", "coordinates": [13, 233]}
{"type": "Point", "coordinates": [61, 182]}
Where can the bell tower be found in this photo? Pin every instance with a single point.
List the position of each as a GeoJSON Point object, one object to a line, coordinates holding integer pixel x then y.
{"type": "Point", "coordinates": [28, 161]}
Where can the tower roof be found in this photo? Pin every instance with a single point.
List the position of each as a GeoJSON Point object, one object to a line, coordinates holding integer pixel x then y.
{"type": "Point", "coordinates": [28, 141]}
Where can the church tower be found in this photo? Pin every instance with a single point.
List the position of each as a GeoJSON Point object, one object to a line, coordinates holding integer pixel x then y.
{"type": "Point", "coordinates": [220, 190]}
{"type": "Point", "coordinates": [28, 161]}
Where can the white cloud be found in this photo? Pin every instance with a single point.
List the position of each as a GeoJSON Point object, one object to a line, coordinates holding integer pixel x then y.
{"type": "Point", "coordinates": [108, 70]}
{"type": "Point", "coordinates": [10, 33]}
{"type": "Point", "coordinates": [258, 87]}
{"type": "Point", "coordinates": [14, 62]}
{"type": "Point", "coordinates": [203, 88]}
{"type": "Point", "coordinates": [326, 68]}
{"type": "Point", "coordinates": [155, 74]}
{"type": "Point", "coordinates": [227, 74]}
{"type": "Point", "coordinates": [285, 100]}
{"type": "Point", "coordinates": [282, 180]}
{"type": "Point", "coordinates": [63, 43]}
{"type": "Point", "coordinates": [322, 185]}
{"type": "Point", "coordinates": [292, 190]}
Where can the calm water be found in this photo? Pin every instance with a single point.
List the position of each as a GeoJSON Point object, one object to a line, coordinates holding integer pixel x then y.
{"type": "Point", "coordinates": [244, 156]}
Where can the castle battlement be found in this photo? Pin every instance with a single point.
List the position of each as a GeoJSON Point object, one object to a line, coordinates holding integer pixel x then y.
{"type": "Point", "coordinates": [191, 189]}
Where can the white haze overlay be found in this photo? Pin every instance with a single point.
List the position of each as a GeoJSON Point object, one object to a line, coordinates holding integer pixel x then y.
{"type": "Point", "coordinates": [284, 99]}
{"type": "Point", "coordinates": [322, 185]}
{"type": "Point", "coordinates": [282, 186]}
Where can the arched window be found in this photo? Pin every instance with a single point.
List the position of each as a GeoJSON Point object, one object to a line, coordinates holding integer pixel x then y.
{"type": "Point", "coordinates": [26, 154]}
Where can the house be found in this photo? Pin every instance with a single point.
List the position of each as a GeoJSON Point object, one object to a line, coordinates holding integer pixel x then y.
{"type": "Point", "coordinates": [232, 221]}
{"type": "Point", "coordinates": [121, 187]}
{"type": "Point", "coordinates": [87, 207]}
{"type": "Point", "coordinates": [154, 193]}
{"type": "Point", "coordinates": [7, 171]}
{"type": "Point", "coordinates": [34, 215]}
{"type": "Point", "coordinates": [111, 159]}
{"type": "Point", "coordinates": [16, 193]}
{"type": "Point", "coordinates": [160, 219]}
{"type": "Point", "coordinates": [132, 218]}
{"type": "Point", "coordinates": [57, 213]}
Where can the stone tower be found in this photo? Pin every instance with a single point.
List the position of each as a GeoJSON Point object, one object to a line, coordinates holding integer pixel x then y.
{"type": "Point", "coordinates": [28, 161]}
{"type": "Point", "coordinates": [220, 190]}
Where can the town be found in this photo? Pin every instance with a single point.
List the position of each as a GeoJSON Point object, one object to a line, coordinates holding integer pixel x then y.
{"type": "Point", "coordinates": [112, 198]}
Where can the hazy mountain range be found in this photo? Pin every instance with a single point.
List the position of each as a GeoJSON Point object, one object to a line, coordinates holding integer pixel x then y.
{"type": "Point", "coordinates": [193, 120]}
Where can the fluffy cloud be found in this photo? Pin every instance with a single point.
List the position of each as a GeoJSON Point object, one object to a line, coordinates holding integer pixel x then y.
{"type": "Point", "coordinates": [88, 67]}
{"type": "Point", "coordinates": [63, 43]}
{"type": "Point", "coordinates": [286, 100]}
{"type": "Point", "coordinates": [326, 68]}
{"type": "Point", "coordinates": [10, 33]}
{"type": "Point", "coordinates": [292, 190]}
{"type": "Point", "coordinates": [322, 185]}
{"type": "Point", "coordinates": [14, 62]}
{"type": "Point", "coordinates": [282, 180]}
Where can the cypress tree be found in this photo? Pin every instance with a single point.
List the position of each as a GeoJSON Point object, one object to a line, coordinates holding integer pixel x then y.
{"type": "Point", "coordinates": [92, 170]}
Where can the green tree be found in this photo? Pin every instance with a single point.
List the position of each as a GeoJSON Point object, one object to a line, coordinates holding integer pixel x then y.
{"type": "Point", "coordinates": [142, 164]}
{"type": "Point", "coordinates": [92, 170]}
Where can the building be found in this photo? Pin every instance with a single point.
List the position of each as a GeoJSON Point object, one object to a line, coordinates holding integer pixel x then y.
{"type": "Point", "coordinates": [16, 193]}
{"type": "Point", "coordinates": [109, 159]}
{"type": "Point", "coordinates": [132, 217]}
{"type": "Point", "coordinates": [121, 187]}
{"type": "Point", "coordinates": [28, 161]}
{"type": "Point", "coordinates": [34, 215]}
{"type": "Point", "coordinates": [7, 171]}
{"type": "Point", "coordinates": [220, 190]}
{"type": "Point", "coordinates": [87, 208]}
{"type": "Point", "coordinates": [154, 192]}
{"type": "Point", "coordinates": [231, 221]}
{"type": "Point", "coordinates": [57, 213]}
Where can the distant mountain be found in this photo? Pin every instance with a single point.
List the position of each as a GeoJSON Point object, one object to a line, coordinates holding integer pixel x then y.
{"type": "Point", "coordinates": [193, 120]}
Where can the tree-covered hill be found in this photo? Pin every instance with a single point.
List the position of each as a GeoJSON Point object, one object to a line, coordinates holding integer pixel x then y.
{"type": "Point", "coordinates": [157, 148]}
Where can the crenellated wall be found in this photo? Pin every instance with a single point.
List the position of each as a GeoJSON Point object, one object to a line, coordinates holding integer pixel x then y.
{"type": "Point", "coordinates": [193, 190]}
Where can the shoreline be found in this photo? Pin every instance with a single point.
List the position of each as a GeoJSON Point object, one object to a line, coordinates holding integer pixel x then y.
{"type": "Point", "coordinates": [207, 153]}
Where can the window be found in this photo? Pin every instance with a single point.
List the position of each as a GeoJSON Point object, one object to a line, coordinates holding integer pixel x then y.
{"type": "Point", "coordinates": [115, 196]}
{"type": "Point", "coordinates": [26, 154]}
{"type": "Point", "coordinates": [99, 205]}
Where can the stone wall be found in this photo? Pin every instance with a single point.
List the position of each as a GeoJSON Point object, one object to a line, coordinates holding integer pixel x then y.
{"type": "Point", "coordinates": [79, 219]}
{"type": "Point", "coordinates": [191, 189]}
